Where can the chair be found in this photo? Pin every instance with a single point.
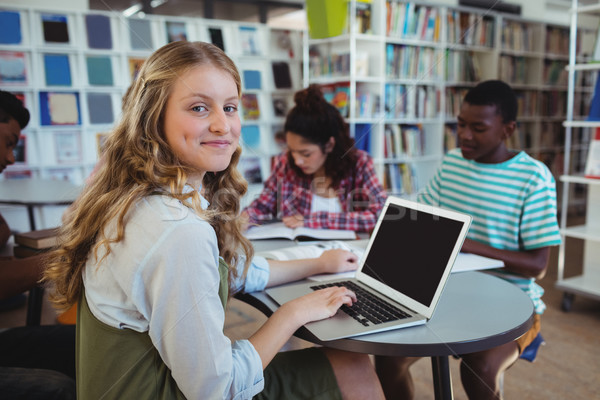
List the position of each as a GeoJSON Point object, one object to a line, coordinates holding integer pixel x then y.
{"type": "Point", "coordinates": [529, 354]}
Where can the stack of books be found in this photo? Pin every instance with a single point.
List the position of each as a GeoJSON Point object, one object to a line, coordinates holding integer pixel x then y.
{"type": "Point", "coordinates": [35, 242]}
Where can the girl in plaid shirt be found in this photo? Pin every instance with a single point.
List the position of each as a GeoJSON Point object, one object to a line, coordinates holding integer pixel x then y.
{"type": "Point", "coordinates": [322, 181]}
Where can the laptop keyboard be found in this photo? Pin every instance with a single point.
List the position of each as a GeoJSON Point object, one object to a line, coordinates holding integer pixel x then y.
{"type": "Point", "coordinates": [368, 309]}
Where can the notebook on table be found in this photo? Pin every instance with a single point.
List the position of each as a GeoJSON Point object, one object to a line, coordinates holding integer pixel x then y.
{"type": "Point", "coordinates": [404, 269]}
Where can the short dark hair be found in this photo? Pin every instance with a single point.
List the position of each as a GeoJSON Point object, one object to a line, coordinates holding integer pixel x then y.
{"type": "Point", "coordinates": [12, 107]}
{"type": "Point", "coordinates": [495, 93]}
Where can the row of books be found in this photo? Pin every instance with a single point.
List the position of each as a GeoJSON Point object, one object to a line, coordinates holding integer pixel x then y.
{"type": "Point", "coordinates": [403, 141]}
{"type": "Point", "coordinates": [555, 73]}
{"type": "Point", "coordinates": [470, 29]}
{"type": "Point", "coordinates": [527, 102]}
{"type": "Point", "coordinates": [413, 21]}
{"type": "Point", "coordinates": [64, 108]}
{"type": "Point", "coordinates": [462, 66]}
{"type": "Point", "coordinates": [328, 64]}
{"type": "Point", "coordinates": [454, 98]}
{"type": "Point", "coordinates": [58, 68]}
{"type": "Point", "coordinates": [553, 103]}
{"type": "Point", "coordinates": [557, 40]}
{"type": "Point", "coordinates": [413, 62]}
{"type": "Point", "coordinates": [400, 179]}
{"type": "Point", "coordinates": [56, 29]}
{"type": "Point", "coordinates": [514, 69]}
{"type": "Point", "coordinates": [517, 36]}
{"type": "Point", "coordinates": [403, 101]}
{"type": "Point", "coordinates": [338, 94]}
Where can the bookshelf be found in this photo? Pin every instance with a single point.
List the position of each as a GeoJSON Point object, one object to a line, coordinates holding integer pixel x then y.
{"type": "Point", "coordinates": [578, 130]}
{"type": "Point", "coordinates": [432, 55]}
{"type": "Point", "coordinates": [71, 69]}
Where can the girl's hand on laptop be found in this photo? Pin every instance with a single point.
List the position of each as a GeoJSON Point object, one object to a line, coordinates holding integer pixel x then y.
{"type": "Point", "coordinates": [338, 260]}
{"type": "Point", "coordinates": [319, 304]}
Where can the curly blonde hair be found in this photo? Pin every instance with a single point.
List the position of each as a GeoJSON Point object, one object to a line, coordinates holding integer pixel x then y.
{"type": "Point", "coordinates": [138, 162]}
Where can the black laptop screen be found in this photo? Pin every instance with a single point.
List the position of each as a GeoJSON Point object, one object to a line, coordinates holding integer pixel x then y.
{"type": "Point", "coordinates": [411, 250]}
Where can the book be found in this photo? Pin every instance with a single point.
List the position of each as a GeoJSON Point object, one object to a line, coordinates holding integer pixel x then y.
{"type": "Point", "coordinates": [281, 75]}
{"type": "Point", "coordinates": [176, 31]}
{"type": "Point", "coordinates": [140, 34]}
{"type": "Point", "coordinates": [55, 28]}
{"type": "Point", "coordinates": [38, 239]}
{"type": "Point", "coordinates": [99, 70]}
{"type": "Point", "coordinates": [278, 230]}
{"type": "Point", "coordinates": [13, 69]}
{"type": "Point", "coordinates": [100, 108]}
{"type": "Point", "coordinates": [20, 150]}
{"type": "Point", "coordinates": [57, 68]}
{"type": "Point", "coordinates": [249, 40]}
{"type": "Point", "coordinates": [250, 136]}
{"type": "Point", "coordinates": [135, 64]}
{"type": "Point", "coordinates": [216, 37]}
{"type": "Point", "coordinates": [24, 251]}
{"type": "Point", "coordinates": [280, 106]}
{"type": "Point", "coordinates": [250, 168]}
{"type": "Point", "coordinates": [67, 146]}
{"type": "Point", "coordinates": [10, 27]}
{"type": "Point", "coordinates": [98, 31]}
{"type": "Point", "coordinates": [251, 79]}
{"type": "Point", "coordinates": [592, 165]}
{"type": "Point", "coordinates": [59, 108]}
{"type": "Point", "coordinates": [250, 109]}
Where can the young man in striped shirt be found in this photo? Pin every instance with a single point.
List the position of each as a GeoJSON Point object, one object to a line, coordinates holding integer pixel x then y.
{"type": "Point", "coordinates": [512, 199]}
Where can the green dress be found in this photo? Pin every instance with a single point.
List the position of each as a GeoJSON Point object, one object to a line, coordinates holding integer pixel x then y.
{"type": "Point", "coordinates": [124, 364]}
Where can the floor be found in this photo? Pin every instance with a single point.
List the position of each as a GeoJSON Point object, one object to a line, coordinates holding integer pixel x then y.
{"type": "Point", "coordinates": [568, 367]}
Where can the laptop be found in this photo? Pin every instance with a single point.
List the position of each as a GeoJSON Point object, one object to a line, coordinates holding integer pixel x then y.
{"type": "Point", "coordinates": [403, 271]}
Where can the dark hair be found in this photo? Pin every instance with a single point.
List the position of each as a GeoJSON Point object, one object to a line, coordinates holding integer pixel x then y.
{"type": "Point", "coordinates": [495, 93]}
{"type": "Point", "coordinates": [316, 120]}
{"type": "Point", "coordinates": [11, 107]}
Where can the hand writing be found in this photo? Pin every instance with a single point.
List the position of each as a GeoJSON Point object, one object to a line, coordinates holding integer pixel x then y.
{"type": "Point", "coordinates": [294, 221]}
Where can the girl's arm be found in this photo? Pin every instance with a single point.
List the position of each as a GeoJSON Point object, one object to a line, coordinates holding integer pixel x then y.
{"type": "Point", "coordinates": [331, 261]}
{"type": "Point", "coordinates": [321, 304]}
{"type": "Point", "coordinates": [530, 263]}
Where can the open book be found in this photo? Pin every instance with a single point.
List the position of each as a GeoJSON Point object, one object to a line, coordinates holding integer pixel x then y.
{"type": "Point", "coordinates": [278, 230]}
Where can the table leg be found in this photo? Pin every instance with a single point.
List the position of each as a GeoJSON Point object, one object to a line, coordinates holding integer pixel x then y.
{"type": "Point", "coordinates": [34, 306]}
{"type": "Point", "coordinates": [31, 218]}
{"type": "Point", "coordinates": [442, 383]}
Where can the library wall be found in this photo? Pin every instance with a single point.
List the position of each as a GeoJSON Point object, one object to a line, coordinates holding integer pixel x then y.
{"type": "Point", "coordinates": [72, 68]}
{"type": "Point", "coordinates": [400, 70]}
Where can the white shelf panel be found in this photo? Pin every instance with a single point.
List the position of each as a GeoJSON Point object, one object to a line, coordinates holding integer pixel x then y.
{"type": "Point", "coordinates": [581, 124]}
{"type": "Point", "coordinates": [587, 285]}
{"type": "Point", "coordinates": [584, 67]}
{"type": "Point", "coordinates": [579, 179]}
{"type": "Point", "coordinates": [584, 232]}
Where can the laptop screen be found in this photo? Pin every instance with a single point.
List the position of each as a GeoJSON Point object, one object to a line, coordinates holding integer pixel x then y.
{"type": "Point", "coordinates": [411, 250]}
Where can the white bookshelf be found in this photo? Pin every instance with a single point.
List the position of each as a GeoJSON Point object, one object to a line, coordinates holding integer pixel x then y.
{"type": "Point", "coordinates": [468, 45]}
{"type": "Point", "coordinates": [587, 282]}
{"type": "Point", "coordinates": [69, 151]}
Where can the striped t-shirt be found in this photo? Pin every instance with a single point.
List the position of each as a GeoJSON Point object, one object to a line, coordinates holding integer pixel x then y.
{"type": "Point", "coordinates": [513, 205]}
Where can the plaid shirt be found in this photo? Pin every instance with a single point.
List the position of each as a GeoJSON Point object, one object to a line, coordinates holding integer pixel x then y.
{"type": "Point", "coordinates": [286, 194]}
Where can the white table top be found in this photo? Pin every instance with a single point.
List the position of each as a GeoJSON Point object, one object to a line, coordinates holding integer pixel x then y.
{"type": "Point", "coordinates": [38, 191]}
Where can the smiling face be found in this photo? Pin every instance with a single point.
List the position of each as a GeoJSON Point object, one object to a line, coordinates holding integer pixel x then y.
{"type": "Point", "coordinates": [482, 133]}
{"type": "Point", "coordinates": [201, 122]}
{"type": "Point", "coordinates": [309, 157]}
{"type": "Point", "coordinates": [9, 137]}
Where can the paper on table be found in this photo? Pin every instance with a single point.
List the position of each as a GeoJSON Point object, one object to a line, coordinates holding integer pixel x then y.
{"type": "Point", "coordinates": [473, 262]}
{"type": "Point", "coordinates": [313, 250]}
